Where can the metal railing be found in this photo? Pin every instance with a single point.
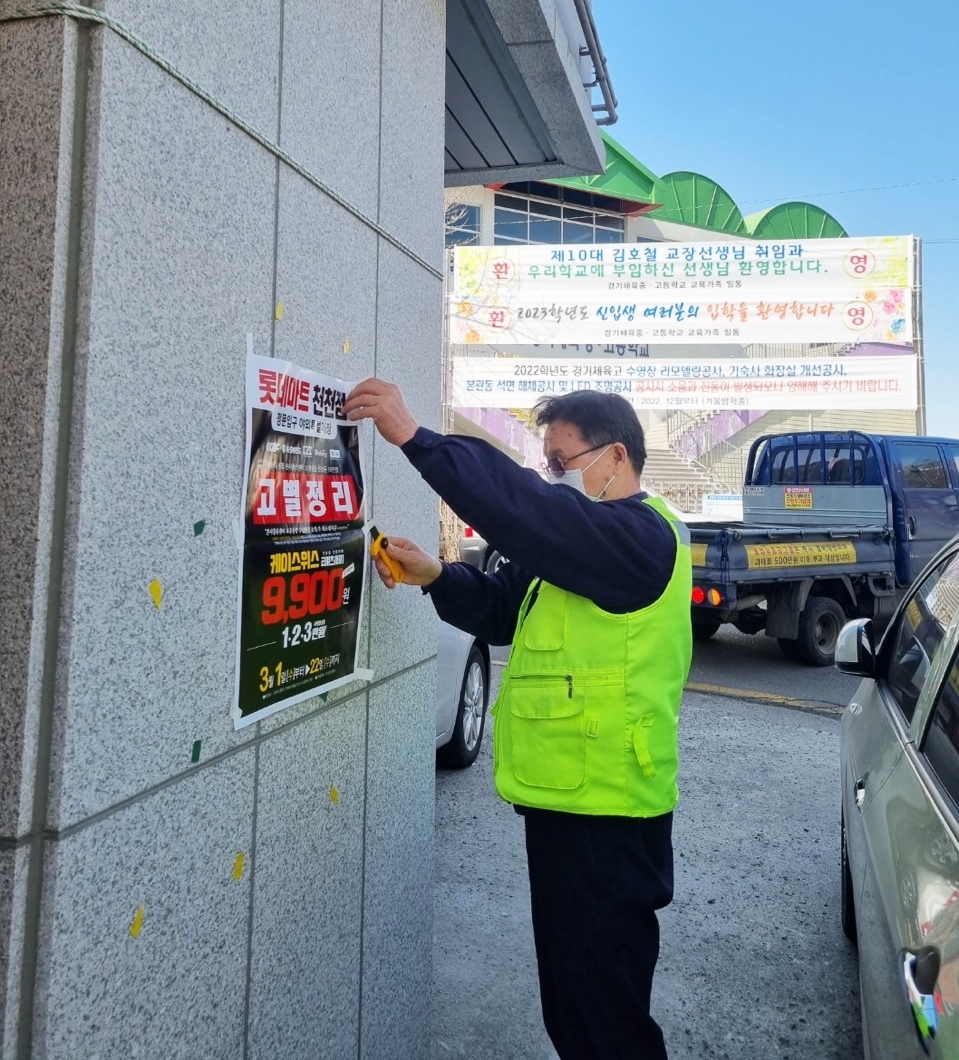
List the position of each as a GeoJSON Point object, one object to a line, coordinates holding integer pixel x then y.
{"type": "Point", "coordinates": [717, 451]}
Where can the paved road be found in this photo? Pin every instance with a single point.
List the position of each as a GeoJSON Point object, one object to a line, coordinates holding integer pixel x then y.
{"type": "Point", "coordinates": [734, 660]}
{"type": "Point", "coordinates": [754, 965]}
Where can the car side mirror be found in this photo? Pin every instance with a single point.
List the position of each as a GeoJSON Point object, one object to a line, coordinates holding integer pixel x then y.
{"type": "Point", "coordinates": [856, 649]}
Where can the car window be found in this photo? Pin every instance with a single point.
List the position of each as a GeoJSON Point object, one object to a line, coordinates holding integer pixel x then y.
{"type": "Point", "coordinates": [941, 744]}
{"type": "Point", "coordinates": [922, 467]}
{"type": "Point", "coordinates": [916, 637]}
{"type": "Point", "coordinates": [954, 454]}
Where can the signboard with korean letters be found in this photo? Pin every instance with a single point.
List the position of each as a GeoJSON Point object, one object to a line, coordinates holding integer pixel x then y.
{"type": "Point", "coordinates": [808, 324]}
{"type": "Point", "coordinates": [816, 291]}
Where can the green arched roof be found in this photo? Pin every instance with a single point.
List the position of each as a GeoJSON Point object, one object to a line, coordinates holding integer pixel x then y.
{"type": "Point", "coordinates": [794, 220]}
{"type": "Point", "coordinates": [625, 177]}
{"type": "Point", "coordinates": [692, 199]}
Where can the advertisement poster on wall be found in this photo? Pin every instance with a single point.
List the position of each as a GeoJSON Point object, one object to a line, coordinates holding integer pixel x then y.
{"type": "Point", "coordinates": [303, 555]}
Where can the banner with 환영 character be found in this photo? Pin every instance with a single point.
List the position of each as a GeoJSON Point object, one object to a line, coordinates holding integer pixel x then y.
{"type": "Point", "coordinates": [805, 383]}
{"type": "Point", "coordinates": [804, 291]}
{"type": "Point", "coordinates": [303, 558]}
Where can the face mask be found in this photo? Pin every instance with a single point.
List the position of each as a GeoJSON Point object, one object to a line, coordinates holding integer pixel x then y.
{"type": "Point", "coordinates": [574, 479]}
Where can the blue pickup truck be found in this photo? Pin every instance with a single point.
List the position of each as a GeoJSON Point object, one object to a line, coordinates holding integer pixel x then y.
{"type": "Point", "coordinates": [835, 526]}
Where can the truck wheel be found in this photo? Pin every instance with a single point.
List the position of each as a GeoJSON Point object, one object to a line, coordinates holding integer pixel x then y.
{"type": "Point", "coordinates": [705, 630]}
{"type": "Point", "coordinates": [819, 624]}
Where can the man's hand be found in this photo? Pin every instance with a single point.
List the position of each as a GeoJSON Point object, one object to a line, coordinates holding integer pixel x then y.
{"type": "Point", "coordinates": [419, 567]}
{"type": "Point", "coordinates": [383, 404]}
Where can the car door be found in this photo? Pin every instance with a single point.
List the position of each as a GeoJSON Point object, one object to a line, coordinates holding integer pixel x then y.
{"type": "Point", "coordinates": [927, 513]}
{"type": "Point", "coordinates": [906, 884]}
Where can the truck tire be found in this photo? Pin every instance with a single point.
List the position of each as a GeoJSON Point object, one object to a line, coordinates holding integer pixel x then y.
{"type": "Point", "coordinates": [819, 624]}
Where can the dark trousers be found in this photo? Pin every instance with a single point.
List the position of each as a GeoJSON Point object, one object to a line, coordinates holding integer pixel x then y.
{"type": "Point", "coordinates": [595, 883]}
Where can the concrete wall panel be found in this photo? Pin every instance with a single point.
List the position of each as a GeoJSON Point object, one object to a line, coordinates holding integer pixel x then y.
{"type": "Point", "coordinates": [230, 50]}
{"type": "Point", "coordinates": [305, 972]}
{"type": "Point", "coordinates": [408, 353]}
{"type": "Point", "coordinates": [175, 988]}
{"type": "Point", "coordinates": [412, 130]}
{"type": "Point", "coordinates": [178, 270]}
{"type": "Point", "coordinates": [36, 96]}
{"type": "Point", "coordinates": [331, 94]}
{"type": "Point", "coordinates": [398, 892]}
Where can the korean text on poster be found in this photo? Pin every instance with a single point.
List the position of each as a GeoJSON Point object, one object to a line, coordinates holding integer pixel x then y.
{"type": "Point", "coordinates": [302, 564]}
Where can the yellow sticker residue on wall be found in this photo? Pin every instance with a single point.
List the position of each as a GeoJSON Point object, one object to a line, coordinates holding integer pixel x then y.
{"type": "Point", "coordinates": [818, 554]}
{"type": "Point", "coordinates": [155, 589]}
{"type": "Point", "coordinates": [238, 865]}
{"type": "Point", "coordinates": [334, 794]}
{"type": "Point", "coordinates": [137, 926]}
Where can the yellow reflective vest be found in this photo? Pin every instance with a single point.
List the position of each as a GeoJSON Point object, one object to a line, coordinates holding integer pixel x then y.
{"type": "Point", "coordinates": [587, 716]}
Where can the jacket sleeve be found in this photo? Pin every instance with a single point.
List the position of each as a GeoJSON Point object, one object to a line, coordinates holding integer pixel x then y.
{"type": "Point", "coordinates": [619, 554]}
{"type": "Point", "coordinates": [485, 605]}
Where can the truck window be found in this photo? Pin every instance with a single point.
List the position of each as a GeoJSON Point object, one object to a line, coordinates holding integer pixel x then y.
{"type": "Point", "coordinates": [918, 633]}
{"type": "Point", "coordinates": [954, 456]}
{"type": "Point", "coordinates": [802, 463]}
{"type": "Point", "coordinates": [922, 467]}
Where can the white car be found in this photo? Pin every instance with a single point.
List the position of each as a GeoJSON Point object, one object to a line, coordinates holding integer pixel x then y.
{"type": "Point", "coordinates": [462, 696]}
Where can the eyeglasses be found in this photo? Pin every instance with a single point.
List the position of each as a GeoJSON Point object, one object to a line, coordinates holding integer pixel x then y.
{"type": "Point", "coordinates": [557, 467]}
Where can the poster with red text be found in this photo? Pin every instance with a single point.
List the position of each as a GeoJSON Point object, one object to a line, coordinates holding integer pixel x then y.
{"type": "Point", "coordinates": [303, 556]}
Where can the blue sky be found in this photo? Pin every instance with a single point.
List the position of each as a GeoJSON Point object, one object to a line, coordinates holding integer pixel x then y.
{"type": "Point", "coordinates": [854, 107]}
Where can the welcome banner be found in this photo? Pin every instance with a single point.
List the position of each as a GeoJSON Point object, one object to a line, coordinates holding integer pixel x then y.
{"type": "Point", "coordinates": [808, 291]}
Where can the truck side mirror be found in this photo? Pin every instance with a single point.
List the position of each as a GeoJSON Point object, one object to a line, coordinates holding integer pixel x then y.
{"type": "Point", "coordinates": [856, 649]}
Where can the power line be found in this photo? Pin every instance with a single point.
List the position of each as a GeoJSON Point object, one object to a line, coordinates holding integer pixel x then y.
{"type": "Point", "coordinates": [857, 191]}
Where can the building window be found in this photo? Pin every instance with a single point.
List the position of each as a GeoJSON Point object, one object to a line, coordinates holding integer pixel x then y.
{"type": "Point", "coordinates": [462, 224]}
{"type": "Point", "coordinates": [526, 220]}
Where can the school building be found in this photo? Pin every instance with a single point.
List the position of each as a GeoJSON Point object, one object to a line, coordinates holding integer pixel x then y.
{"type": "Point", "coordinates": [692, 454]}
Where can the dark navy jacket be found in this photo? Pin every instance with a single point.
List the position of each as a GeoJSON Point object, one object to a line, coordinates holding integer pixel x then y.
{"type": "Point", "coordinates": [619, 554]}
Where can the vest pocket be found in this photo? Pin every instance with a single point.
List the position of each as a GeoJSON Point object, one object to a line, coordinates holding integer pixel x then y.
{"type": "Point", "coordinates": [548, 731]}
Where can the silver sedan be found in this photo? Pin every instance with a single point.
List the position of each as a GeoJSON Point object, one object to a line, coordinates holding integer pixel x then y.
{"type": "Point", "coordinates": [899, 753]}
{"type": "Point", "coordinates": [462, 696]}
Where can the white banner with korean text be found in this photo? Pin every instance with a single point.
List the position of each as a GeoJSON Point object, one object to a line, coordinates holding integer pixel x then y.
{"type": "Point", "coordinates": [809, 291]}
{"type": "Point", "coordinates": [809, 383]}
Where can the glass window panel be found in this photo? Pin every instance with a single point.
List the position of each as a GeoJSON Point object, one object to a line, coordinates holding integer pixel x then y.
{"type": "Point", "coordinates": [545, 209]}
{"type": "Point", "coordinates": [462, 224]}
{"type": "Point", "coordinates": [604, 235]}
{"type": "Point", "coordinates": [603, 220]}
{"type": "Point", "coordinates": [922, 467]}
{"type": "Point", "coordinates": [511, 226]}
{"type": "Point", "coordinates": [577, 233]}
{"type": "Point", "coordinates": [918, 634]}
{"type": "Point", "coordinates": [544, 230]}
{"type": "Point", "coordinates": [510, 202]}
{"type": "Point", "coordinates": [941, 745]}
{"type": "Point", "coordinates": [581, 198]}
{"type": "Point", "coordinates": [953, 451]}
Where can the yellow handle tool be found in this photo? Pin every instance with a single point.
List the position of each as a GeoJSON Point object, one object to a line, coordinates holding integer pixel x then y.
{"type": "Point", "coordinates": [378, 545]}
